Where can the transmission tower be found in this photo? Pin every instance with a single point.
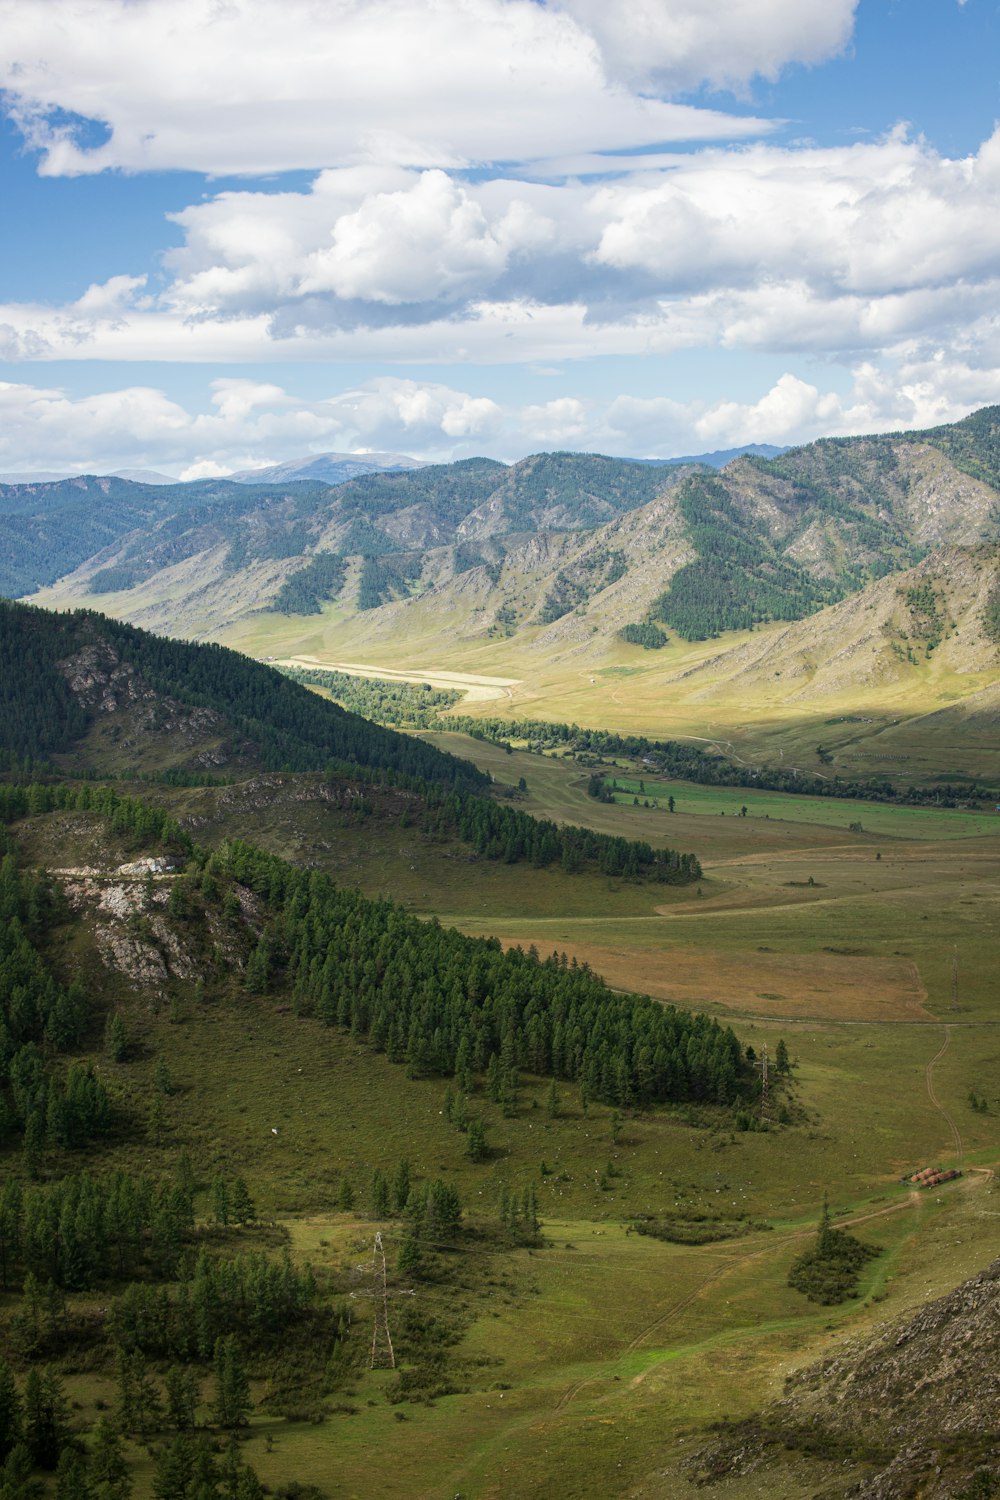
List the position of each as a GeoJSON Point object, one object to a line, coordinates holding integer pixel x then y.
{"type": "Point", "coordinates": [382, 1356]}
{"type": "Point", "coordinates": [765, 1085]}
{"type": "Point", "coordinates": [954, 979]}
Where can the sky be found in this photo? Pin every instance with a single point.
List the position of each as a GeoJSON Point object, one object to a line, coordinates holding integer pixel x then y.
{"type": "Point", "coordinates": [240, 231]}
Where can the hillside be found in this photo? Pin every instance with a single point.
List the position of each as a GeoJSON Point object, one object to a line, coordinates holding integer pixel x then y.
{"type": "Point", "coordinates": [102, 695]}
{"type": "Point", "coordinates": [916, 1403]}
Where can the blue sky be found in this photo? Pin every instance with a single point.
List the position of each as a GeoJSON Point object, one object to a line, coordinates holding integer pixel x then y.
{"type": "Point", "coordinates": [235, 233]}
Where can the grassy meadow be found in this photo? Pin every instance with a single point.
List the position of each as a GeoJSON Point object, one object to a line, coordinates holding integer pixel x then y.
{"type": "Point", "coordinates": [591, 1364]}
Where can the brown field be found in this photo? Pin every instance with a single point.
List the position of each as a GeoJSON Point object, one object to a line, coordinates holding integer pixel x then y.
{"type": "Point", "coordinates": [811, 986]}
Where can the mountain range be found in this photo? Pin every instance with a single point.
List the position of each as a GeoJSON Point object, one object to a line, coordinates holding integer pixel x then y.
{"type": "Point", "coordinates": [703, 551]}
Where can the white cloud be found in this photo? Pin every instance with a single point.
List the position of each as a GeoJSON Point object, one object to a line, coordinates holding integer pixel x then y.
{"type": "Point", "coordinates": [689, 42]}
{"type": "Point", "coordinates": [429, 241]}
{"type": "Point", "coordinates": [865, 220]}
{"type": "Point", "coordinates": [258, 86]}
{"type": "Point", "coordinates": [249, 424]}
{"type": "Point", "coordinates": [853, 252]}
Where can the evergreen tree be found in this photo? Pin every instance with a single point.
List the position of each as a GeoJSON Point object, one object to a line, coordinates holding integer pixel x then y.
{"type": "Point", "coordinates": [116, 1038]}
{"type": "Point", "coordinates": [173, 1471]}
{"type": "Point", "coordinates": [241, 1203]}
{"type": "Point", "coordinates": [16, 1481]}
{"type": "Point", "coordinates": [378, 1195]}
{"type": "Point", "coordinates": [249, 1486]}
{"type": "Point", "coordinates": [108, 1466]}
{"type": "Point", "coordinates": [72, 1478]}
{"type": "Point", "coordinates": [345, 1195]}
{"type": "Point", "coordinates": [232, 1405]}
{"type": "Point", "coordinates": [476, 1145]}
{"type": "Point", "coordinates": [46, 1418]}
{"type": "Point", "coordinates": [181, 1383]}
{"type": "Point", "coordinates": [11, 1411]}
{"type": "Point", "coordinates": [220, 1201]}
{"type": "Point", "coordinates": [401, 1186]}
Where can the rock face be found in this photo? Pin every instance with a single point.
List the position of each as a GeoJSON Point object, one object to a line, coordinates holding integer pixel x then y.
{"type": "Point", "coordinates": [916, 1403]}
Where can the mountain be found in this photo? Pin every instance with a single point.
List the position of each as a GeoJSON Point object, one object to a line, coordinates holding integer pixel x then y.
{"type": "Point", "coordinates": [561, 552]}
{"type": "Point", "coordinates": [230, 549]}
{"type": "Point", "coordinates": [720, 457]}
{"type": "Point", "coordinates": [327, 468]}
{"type": "Point", "coordinates": [52, 526]}
{"type": "Point", "coordinates": [103, 695]}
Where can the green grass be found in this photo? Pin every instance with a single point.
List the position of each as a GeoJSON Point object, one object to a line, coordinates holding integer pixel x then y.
{"type": "Point", "coordinates": [615, 1348]}
{"type": "Point", "coordinates": [877, 819]}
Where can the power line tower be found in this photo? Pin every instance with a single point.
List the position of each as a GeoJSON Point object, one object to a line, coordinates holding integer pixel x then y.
{"type": "Point", "coordinates": [954, 979]}
{"type": "Point", "coordinates": [382, 1355]}
{"type": "Point", "coordinates": [765, 1084]}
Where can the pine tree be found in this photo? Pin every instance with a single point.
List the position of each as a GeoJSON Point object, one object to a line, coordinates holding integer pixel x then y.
{"type": "Point", "coordinates": [378, 1195]}
{"type": "Point", "coordinates": [11, 1411]}
{"type": "Point", "coordinates": [156, 1120]}
{"type": "Point", "coordinates": [249, 1486]}
{"type": "Point", "coordinates": [107, 1461]}
{"type": "Point", "coordinates": [72, 1479]}
{"type": "Point", "coordinates": [16, 1482]}
{"type": "Point", "coordinates": [220, 1201]}
{"type": "Point", "coordinates": [173, 1471]}
{"type": "Point", "coordinates": [476, 1144]}
{"type": "Point", "coordinates": [232, 1388]}
{"type": "Point", "coordinates": [46, 1426]}
{"type": "Point", "coordinates": [781, 1061]}
{"type": "Point", "coordinates": [408, 1261]}
{"type": "Point", "coordinates": [345, 1195]}
{"type": "Point", "coordinates": [116, 1038]}
{"type": "Point", "coordinates": [181, 1382]}
{"type": "Point", "coordinates": [401, 1186]}
{"type": "Point", "coordinates": [241, 1203]}
{"type": "Point", "coordinates": [139, 1405]}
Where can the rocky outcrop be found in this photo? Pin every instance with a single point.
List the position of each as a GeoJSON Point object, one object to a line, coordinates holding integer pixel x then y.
{"type": "Point", "coordinates": [916, 1403]}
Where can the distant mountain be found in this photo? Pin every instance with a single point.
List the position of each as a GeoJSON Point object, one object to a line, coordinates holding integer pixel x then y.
{"type": "Point", "coordinates": [49, 527]}
{"type": "Point", "coordinates": [328, 468]}
{"type": "Point", "coordinates": [43, 476]}
{"type": "Point", "coordinates": [225, 550]}
{"type": "Point", "coordinates": [720, 457]}
{"type": "Point", "coordinates": [144, 476]}
{"type": "Point", "coordinates": [568, 548]}
{"type": "Point", "coordinates": [137, 476]}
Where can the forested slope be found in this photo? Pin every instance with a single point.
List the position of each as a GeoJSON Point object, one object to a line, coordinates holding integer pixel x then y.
{"type": "Point", "coordinates": [59, 673]}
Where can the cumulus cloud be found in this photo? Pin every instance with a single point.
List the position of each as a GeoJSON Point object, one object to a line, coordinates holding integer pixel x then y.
{"type": "Point", "coordinates": [682, 44]}
{"type": "Point", "coordinates": [249, 424]}
{"type": "Point", "coordinates": [854, 252]}
{"type": "Point", "coordinates": [258, 86]}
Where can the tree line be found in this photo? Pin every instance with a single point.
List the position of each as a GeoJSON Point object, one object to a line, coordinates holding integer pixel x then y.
{"type": "Point", "coordinates": [445, 1004]}
{"type": "Point", "coordinates": [499, 831]}
{"type": "Point", "coordinates": [684, 762]}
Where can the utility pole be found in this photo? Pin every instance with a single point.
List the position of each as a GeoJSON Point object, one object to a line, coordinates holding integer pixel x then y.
{"type": "Point", "coordinates": [765, 1085]}
{"type": "Point", "coordinates": [382, 1355]}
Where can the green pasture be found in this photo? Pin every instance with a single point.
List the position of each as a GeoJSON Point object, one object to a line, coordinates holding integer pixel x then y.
{"type": "Point", "coordinates": [876, 818]}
